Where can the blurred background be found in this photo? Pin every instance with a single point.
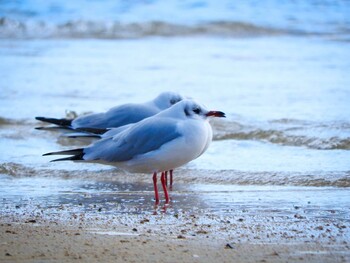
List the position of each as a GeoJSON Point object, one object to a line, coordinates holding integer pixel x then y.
{"type": "Point", "coordinates": [278, 69]}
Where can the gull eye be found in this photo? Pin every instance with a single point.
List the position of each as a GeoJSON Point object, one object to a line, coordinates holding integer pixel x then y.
{"type": "Point", "coordinates": [173, 101]}
{"type": "Point", "coordinates": [197, 110]}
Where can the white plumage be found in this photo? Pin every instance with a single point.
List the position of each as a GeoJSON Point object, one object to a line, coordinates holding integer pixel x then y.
{"type": "Point", "coordinates": [156, 144]}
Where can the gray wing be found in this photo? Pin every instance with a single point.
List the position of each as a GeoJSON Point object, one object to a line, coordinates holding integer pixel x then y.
{"type": "Point", "coordinates": [144, 137]}
{"type": "Point", "coordinates": [115, 117]}
{"type": "Point", "coordinates": [114, 131]}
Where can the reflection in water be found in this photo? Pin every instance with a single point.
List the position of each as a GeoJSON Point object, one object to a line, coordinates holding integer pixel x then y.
{"type": "Point", "coordinates": [55, 195]}
{"type": "Point", "coordinates": [89, 196]}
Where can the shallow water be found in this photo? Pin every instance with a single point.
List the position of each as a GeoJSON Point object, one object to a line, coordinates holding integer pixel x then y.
{"type": "Point", "coordinates": [282, 81]}
{"type": "Point", "coordinates": [70, 196]}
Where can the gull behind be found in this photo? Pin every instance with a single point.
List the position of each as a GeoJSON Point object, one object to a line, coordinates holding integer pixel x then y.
{"type": "Point", "coordinates": [119, 115]}
{"type": "Point", "coordinates": [159, 143]}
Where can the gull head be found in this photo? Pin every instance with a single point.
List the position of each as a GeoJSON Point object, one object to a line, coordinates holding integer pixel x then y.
{"type": "Point", "coordinates": [194, 110]}
{"type": "Point", "coordinates": [167, 99]}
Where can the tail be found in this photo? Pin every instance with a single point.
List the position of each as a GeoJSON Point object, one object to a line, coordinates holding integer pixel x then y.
{"type": "Point", "coordinates": [78, 154]}
{"type": "Point", "coordinates": [96, 131]}
{"type": "Point", "coordinates": [80, 135]}
{"type": "Point", "coordinates": [59, 122]}
{"type": "Point", "coordinates": [54, 128]}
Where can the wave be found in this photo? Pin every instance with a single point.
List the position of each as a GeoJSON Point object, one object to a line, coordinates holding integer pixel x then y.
{"type": "Point", "coordinates": [280, 137]}
{"type": "Point", "coordinates": [287, 132]}
{"type": "Point", "coordinates": [16, 29]}
{"type": "Point", "coordinates": [6, 121]}
{"type": "Point", "coordinates": [190, 176]}
{"type": "Point", "coordinates": [320, 136]}
{"type": "Point", "coordinates": [315, 179]}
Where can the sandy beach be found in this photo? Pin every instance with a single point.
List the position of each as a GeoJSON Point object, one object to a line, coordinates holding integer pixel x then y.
{"type": "Point", "coordinates": [171, 238]}
{"type": "Point", "coordinates": [125, 226]}
{"type": "Point", "coordinates": [42, 243]}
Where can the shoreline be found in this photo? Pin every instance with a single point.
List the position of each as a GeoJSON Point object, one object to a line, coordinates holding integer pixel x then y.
{"type": "Point", "coordinates": [272, 187]}
{"type": "Point", "coordinates": [197, 226]}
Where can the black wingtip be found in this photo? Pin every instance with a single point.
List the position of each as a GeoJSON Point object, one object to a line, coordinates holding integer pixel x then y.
{"type": "Point", "coordinates": [78, 154]}
{"type": "Point", "coordinates": [59, 122]}
{"type": "Point", "coordinates": [96, 131]}
{"type": "Point", "coordinates": [54, 128]}
{"type": "Point", "coordinates": [74, 152]}
{"type": "Point", "coordinates": [72, 158]}
{"type": "Point", "coordinates": [83, 136]}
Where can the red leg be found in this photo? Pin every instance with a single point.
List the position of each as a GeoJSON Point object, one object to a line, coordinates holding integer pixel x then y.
{"type": "Point", "coordinates": [171, 177]}
{"type": "Point", "coordinates": [166, 177]}
{"type": "Point", "coordinates": [164, 188]}
{"type": "Point", "coordinates": [156, 196]}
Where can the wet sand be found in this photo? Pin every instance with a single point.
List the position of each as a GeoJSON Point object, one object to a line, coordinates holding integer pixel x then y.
{"type": "Point", "coordinates": [149, 242]}
{"type": "Point", "coordinates": [116, 221]}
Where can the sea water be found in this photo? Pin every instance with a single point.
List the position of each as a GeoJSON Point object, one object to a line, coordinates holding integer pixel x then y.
{"type": "Point", "coordinates": [279, 70]}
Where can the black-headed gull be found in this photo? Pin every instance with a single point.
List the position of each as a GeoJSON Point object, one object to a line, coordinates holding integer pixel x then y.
{"type": "Point", "coordinates": [96, 124]}
{"type": "Point", "coordinates": [104, 133]}
{"type": "Point", "coordinates": [119, 115]}
{"type": "Point", "coordinates": [159, 143]}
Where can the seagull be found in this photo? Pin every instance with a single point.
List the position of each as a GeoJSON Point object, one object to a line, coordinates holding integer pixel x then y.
{"type": "Point", "coordinates": [110, 132]}
{"type": "Point", "coordinates": [97, 124]}
{"type": "Point", "coordinates": [154, 145]}
{"type": "Point", "coordinates": [118, 116]}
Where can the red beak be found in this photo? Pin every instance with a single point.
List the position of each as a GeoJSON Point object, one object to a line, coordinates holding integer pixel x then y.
{"type": "Point", "coordinates": [216, 114]}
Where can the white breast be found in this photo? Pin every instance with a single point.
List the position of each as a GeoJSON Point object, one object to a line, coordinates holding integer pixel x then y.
{"type": "Point", "coordinates": [195, 139]}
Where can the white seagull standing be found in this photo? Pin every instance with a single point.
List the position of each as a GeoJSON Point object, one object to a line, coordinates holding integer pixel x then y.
{"type": "Point", "coordinates": [96, 124]}
{"type": "Point", "coordinates": [119, 115]}
{"type": "Point", "coordinates": [110, 132]}
{"type": "Point", "coordinates": [157, 144]}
